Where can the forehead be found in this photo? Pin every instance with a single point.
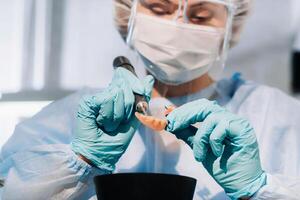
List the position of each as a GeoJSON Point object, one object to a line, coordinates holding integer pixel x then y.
{"type": "Point", "coordinates": [175, 1]}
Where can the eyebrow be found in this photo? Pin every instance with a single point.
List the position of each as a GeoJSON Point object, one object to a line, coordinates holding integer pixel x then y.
{"type": "Point", "coordinates": [199, 3]}
{"type": "Point", "coordinates": [167, 1]}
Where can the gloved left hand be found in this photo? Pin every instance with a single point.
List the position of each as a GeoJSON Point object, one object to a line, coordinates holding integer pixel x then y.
{"type": "Point", "coordinates": [105, 121]}
{"type": "Point", "coordinates": [225, 144]}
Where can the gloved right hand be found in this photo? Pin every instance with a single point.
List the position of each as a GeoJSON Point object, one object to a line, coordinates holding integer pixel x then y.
{"type": "Point", "coordinates": [225, 144]}
{"type": "Point", "coordinates": [106, 123]}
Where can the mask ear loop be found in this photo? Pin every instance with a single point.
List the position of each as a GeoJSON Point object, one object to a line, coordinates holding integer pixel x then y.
{"type": "Point", "coordinates": [131, 23]}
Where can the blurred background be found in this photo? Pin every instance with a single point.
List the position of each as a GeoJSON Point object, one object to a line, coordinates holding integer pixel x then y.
{"type": "Point", "coordinates": [51, 48]}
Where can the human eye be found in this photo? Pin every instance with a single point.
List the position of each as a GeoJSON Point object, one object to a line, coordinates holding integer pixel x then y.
{"type": "Point", "coordinates": [200, 15]}
{"type": "Point", "coordinates": [159, 8]}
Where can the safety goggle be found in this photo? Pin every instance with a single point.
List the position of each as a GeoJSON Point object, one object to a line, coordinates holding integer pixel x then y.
{"type": "Point", "coordinates": [213, 13]}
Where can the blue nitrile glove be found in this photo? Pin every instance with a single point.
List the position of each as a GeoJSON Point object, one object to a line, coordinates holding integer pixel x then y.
{"type": "Point", "coordinates": [225, 144]}
{"type": "Point", "coordinates": [106, 123]}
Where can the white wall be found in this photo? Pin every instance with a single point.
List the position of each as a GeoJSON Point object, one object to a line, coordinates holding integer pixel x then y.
{"type": "Point", "coordinates": [11, 26]}
{"type": "Point", "coordinates": [13, 113]}
{"type": "Point", "coordinates": [264, 52]}
{"type": "Point", "coordinates": [90, 44]}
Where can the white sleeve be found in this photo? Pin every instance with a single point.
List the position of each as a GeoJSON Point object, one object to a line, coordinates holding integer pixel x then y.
{"type": "Point", "coordinates": [279, 187]}
{"type": "Point", "coordinates": [47, 172]}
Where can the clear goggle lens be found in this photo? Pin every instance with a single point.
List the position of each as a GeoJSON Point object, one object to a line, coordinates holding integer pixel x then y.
{"type": "Point", "coordinates": [212, 13]}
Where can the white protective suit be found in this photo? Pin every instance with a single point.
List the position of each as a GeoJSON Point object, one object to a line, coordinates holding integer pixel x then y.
{"type": "Point", "coordinates": [37, 162]}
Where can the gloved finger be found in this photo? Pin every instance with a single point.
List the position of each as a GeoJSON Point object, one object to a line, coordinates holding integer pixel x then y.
{"type": "Point", "coordinates": [87, 112]}
{"type": "Point", "coordinates": [241, 129]}
{"type": "Point", "coordinates": [201, 139]}
{"type": "Point", "coordinates": [187, 135]}
{"type": "Point", "coordinates": [148, 83]}
{"type": "Point", "coordinates": [190, 113]}
{"type": "Point", "coordinates": [129, 101]}
{"type": "Point", "coordinates": [217, 137]}
{"type": "Point", "coordinates": [127, 130]}
{"type": "Point", "coordinates": [112, 109]}
{"type": "Point", "coordinates": [119, 111]}
{"type": "Point", "coordinates": [122, 75]}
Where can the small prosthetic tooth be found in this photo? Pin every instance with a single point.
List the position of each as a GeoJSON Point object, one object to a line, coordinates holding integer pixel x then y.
{"type": "Point", "coordinates": [152, 122]}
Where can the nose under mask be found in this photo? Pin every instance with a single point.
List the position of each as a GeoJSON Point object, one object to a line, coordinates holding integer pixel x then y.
{"type": "Point", "coordinates": [176, 53]}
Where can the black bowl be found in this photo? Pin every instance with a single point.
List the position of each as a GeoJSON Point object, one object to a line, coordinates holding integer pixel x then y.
{"type": "Point", "coordinates": [144, 186]}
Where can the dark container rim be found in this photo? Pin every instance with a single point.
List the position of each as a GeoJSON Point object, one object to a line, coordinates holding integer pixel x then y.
{"type": "Point", "coordinates": [146, 173]}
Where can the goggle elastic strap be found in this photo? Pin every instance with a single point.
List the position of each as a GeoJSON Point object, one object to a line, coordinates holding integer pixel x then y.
{"type": "Point", "coordinates": [131, 22]}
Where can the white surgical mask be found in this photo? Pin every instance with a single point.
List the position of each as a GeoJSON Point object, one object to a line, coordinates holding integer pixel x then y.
{"type": "Point", "coordinates": [176, 53]}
